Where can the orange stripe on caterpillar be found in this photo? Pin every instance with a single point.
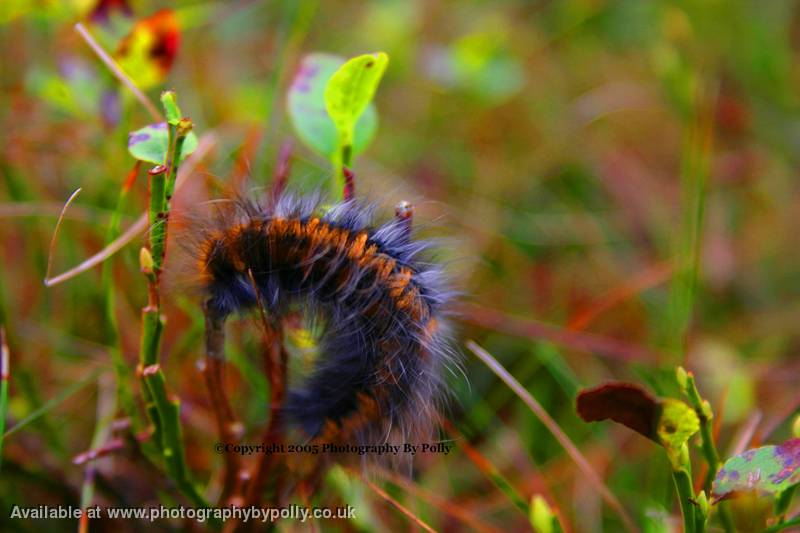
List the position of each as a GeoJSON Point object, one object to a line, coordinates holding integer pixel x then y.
{"type": "Point", "coordinates": [367, 411]}
{"type": "Point", "coordinates": [397, 281]}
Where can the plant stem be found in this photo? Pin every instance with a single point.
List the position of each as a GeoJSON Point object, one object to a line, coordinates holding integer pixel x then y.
{"type": "Point", "coordinates": [164, 412]}
{"type": "Point", "coordinates": [683, 484]}
{"type": "Point", "coordinates": [152, 326]}
{"type": "Point", "coordinates": [710, 453]}
{"type": "Point", "coordinates": [157, 188]}
{"type": "Point", "coordinates": [275, 364]}
{"type": "Point", "coordinates": [171, 439]}
{"type": "Point", "coordinates": [705, 415]}
{"type": "Point", "coordinates": [173, 166]}
{"type": "Point", "coordinates": [337, 185]}
{"type": "Point", "coordinates": [227, 426]}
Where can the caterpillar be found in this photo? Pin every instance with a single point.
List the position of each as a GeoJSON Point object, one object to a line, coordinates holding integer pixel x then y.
{"type": "Point", "coordinates": [385, 342]}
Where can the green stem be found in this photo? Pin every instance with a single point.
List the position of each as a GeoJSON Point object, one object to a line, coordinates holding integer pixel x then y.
{"type": "Point", "coordinates": [337, 185]}
{"type": "Point", "coordinates": [156, 210]}
{"type": "Point", "coordinates": [164, 412]}
{"type": "Point", "coordinates": [710, 453]}
{"type": "Point", "coordinates": [705, 415]}
{"type": "Point", "coordinates": [152, 326]}
{"type": "Point", "coordinates": [683, 484]}
{"type": "Point", "coordinates": [347, 155]}
{"type": "Point", "coordinates": [342, 157]}
{"type": "Point", "coordinates": [175, 163]}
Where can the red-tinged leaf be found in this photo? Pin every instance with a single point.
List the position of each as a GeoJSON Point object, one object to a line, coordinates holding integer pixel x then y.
{"type": "Point", "coordinates": [148, 52]}
{"type": "Point", "coordinates": [666, 421]}
{"type": "Point", "coordinates": [764, 470]}
{"type": "Point", "coordinates": [625, 403]}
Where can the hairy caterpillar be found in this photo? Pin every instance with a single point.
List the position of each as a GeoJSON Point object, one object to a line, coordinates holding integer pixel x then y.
{"type": "Point", "coordinates": [384, 344]}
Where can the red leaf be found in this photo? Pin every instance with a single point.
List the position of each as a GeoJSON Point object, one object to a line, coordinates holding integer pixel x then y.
{"type": "Point", "coordinates": [626, 403]}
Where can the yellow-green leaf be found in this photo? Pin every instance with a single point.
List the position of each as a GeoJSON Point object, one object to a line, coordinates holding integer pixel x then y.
{"type": "Point", "coordinates": [171, 109]}
{"type": "Point", "coordinates": [677, 423]}
{"type": "Point", "coordinates": [350, 90]}
{"type": "Point", "coordinates": [306, 107]}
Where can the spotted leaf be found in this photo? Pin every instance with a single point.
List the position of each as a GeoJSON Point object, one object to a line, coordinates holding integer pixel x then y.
{"type": "Point", "coordinates": [764, 470]}
{"type": "Point", "coordinates": [149, 144]}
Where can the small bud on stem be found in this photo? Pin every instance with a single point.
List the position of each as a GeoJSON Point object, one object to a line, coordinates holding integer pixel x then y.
{"type": "Point", "coordinates": [145, 261]}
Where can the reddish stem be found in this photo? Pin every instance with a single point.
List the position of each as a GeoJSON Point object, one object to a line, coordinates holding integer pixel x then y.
{"type": "Point", "coordinates": [213, 370]}
{"type": "Point", "coordinates": [275, 361]}
{"type": "Point", "coordinates": [113, 445]}
{"type": "Point", "coordinates": [282, 170]}
{"type": "Point", "coordinates": [349, 184]}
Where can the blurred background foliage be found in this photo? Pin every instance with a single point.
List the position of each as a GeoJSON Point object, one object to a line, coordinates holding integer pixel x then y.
{"type": "Point", "coordinates": [623, 171]}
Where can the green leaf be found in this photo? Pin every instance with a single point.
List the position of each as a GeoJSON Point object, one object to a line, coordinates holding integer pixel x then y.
{"type": "Point", "coordinates": [149, 144]}
{"type": "Point", "coordinates": [351, 89]}
{"type": "Point", "coordinates": [768, 469]}
{"type": "Point", "coordinates": [170, 103]}
{"type": "Point", "coordinates": [306, 105]}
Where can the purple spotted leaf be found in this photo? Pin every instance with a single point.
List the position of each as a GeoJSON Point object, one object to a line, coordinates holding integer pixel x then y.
{"type": "Point", "coordinates": [764, 470]}
{"type": "Point", "coordinates": [149, 144]}
{"type": "Point", "coordinates": [306, 105]}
